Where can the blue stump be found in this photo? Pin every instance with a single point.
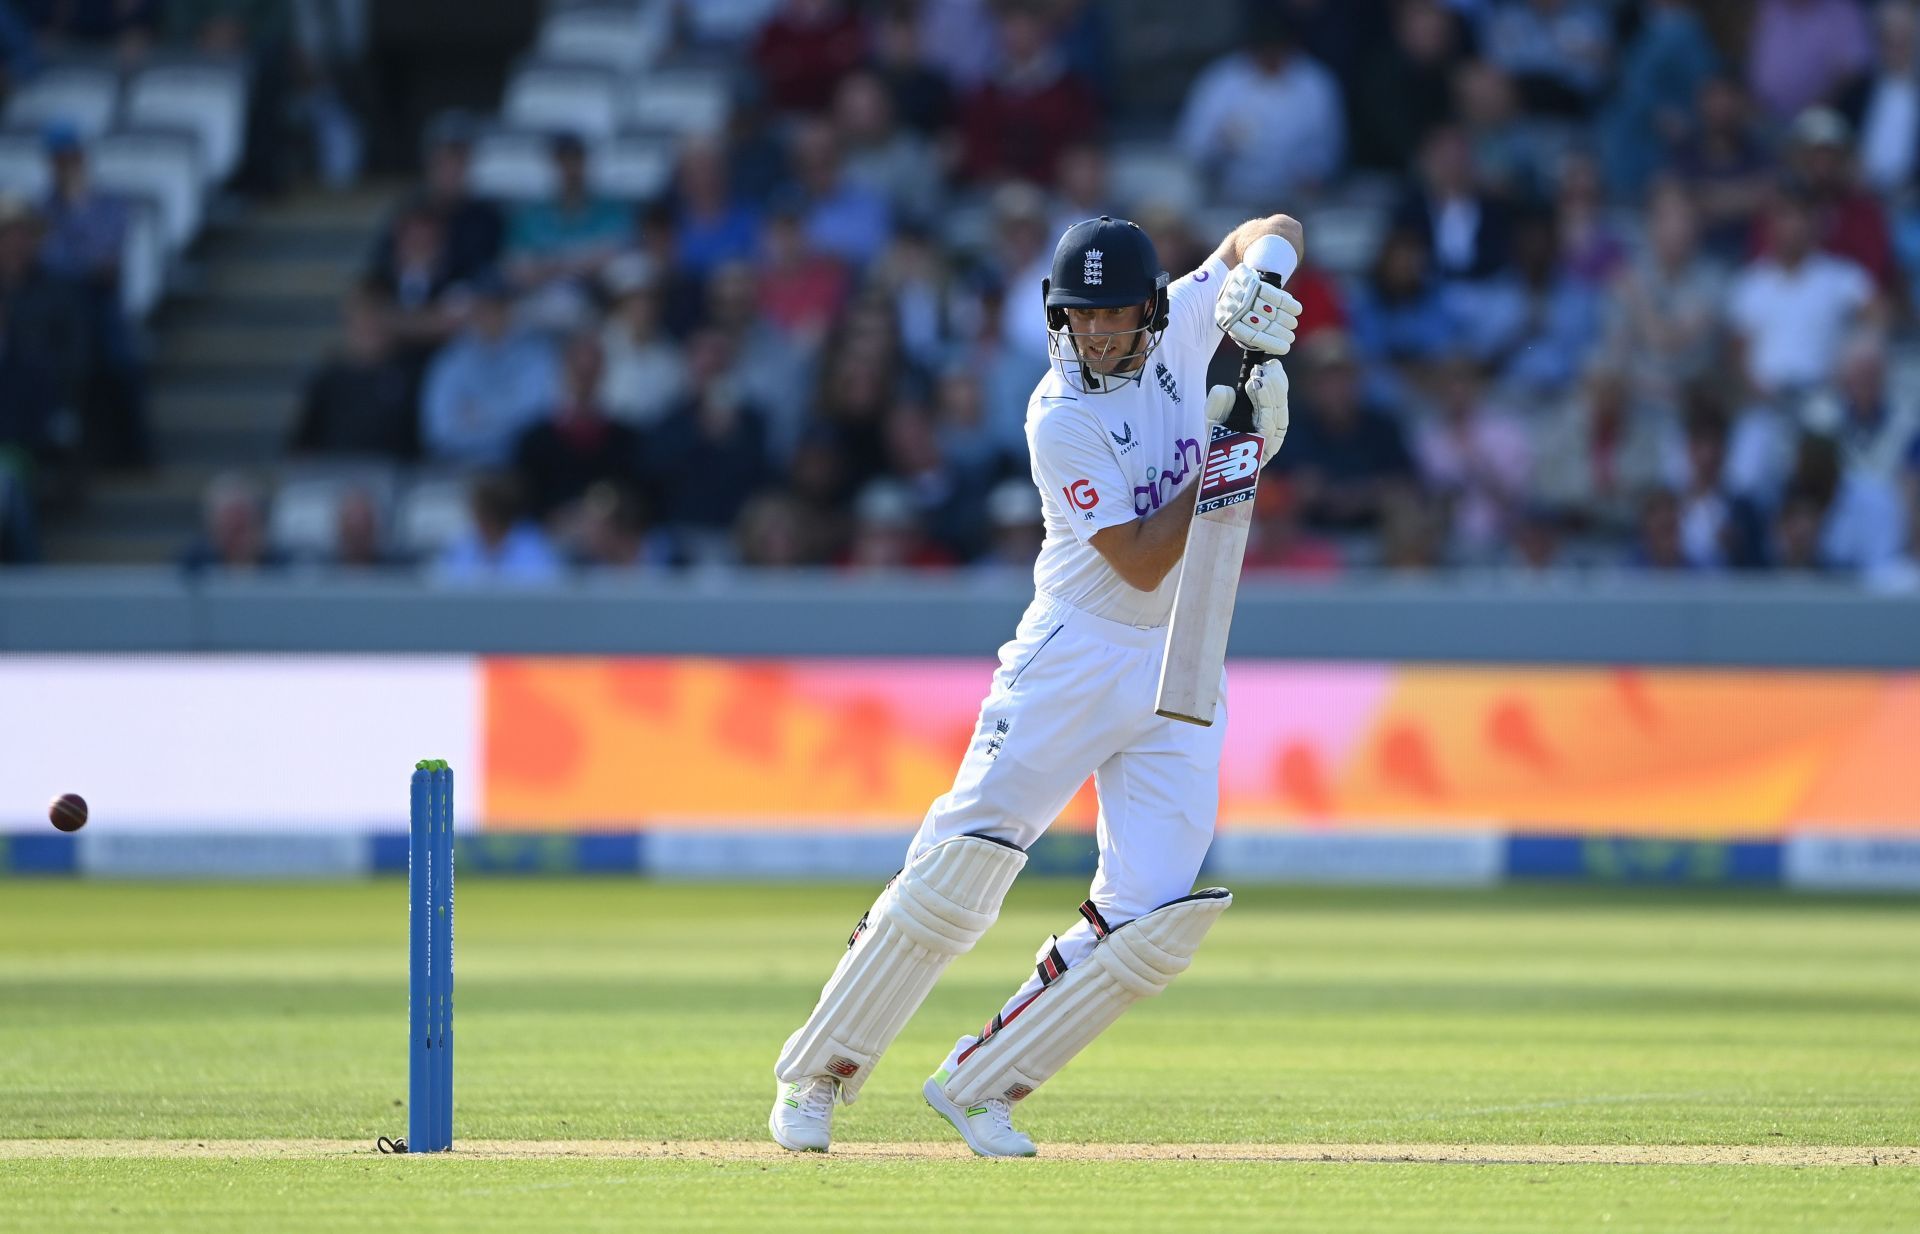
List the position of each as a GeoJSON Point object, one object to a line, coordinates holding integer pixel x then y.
{"type": "Point", "coordinates": [430, 960]}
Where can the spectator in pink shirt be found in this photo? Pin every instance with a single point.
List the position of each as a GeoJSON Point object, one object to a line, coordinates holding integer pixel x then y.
{"type": "Point", "coordinates": [1803, 51]}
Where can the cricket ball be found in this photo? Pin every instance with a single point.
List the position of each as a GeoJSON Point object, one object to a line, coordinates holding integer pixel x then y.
{"type": "Point", "coordinates": [68, 811]}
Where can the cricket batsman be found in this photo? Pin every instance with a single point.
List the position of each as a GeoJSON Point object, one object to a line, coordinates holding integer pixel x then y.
{"type": "Point", "coordinates": [1116, 432]}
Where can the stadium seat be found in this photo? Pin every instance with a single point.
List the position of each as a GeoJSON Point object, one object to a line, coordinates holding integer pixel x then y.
{"type": "Point", "coordinates": [684, 102]}
{"type": "Point", "coordinates": [208, 99]}
{"type": "Point", "coordinates": [305, 518]}
{"type": "Point", "coordinates": [1346, 238]}
{"type": "Point", "coordinates": [23, 166]}
{"type": "Point", "coordinates": [632, 167]}
{"type": "Point", "coordinates": [564, 99]}
{"type": "Point", "coordinates": [83, 98]}
{"type": "Point", "coordinates": [513, 166]}
{"type": "Point", "coordinates": [623, 37]}
{"type": "Point", "coordinates": [1152, 175]}
{"type": "Point", "coordinates": [305, 515]}
{"type": "Point", "coordinates": [143, 260]}
{"type": "Point", "coordinates": [432, 513]}
{"type": "Point", "coordinates": [164, 166]}
{"type": "Point", "coordinates": [727, 21]}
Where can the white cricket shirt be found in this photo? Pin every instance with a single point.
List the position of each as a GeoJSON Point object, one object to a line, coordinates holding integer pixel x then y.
{"type": "Point", "coordinates": [1109, 458]}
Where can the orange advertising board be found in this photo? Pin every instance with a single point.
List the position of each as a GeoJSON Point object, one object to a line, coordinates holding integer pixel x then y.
{"type": "Point", "coordinates": [619, 743]}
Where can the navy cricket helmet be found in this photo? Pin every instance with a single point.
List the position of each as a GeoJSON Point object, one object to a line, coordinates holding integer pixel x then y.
{"type": "Point", "coordinates": [1104, 263]}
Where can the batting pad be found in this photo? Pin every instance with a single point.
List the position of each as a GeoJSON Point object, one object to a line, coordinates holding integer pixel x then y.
{"type": "Point", "coordinates": [1024, 1049]}
{"type": "Point", "coordinates": [935, 909]}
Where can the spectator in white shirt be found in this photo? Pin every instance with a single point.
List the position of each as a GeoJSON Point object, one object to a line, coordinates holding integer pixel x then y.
{"type": "Point", "coordinates": [1266, 122]}
{"type": "Point", "coordinates": [1885, 105]}
{"type": "Point", "coordinates": [1791, 308]}
{"type": "Point", "coordinates": [645, 376]}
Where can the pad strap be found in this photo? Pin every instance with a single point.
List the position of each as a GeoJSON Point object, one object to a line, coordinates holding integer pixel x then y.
{"type": "Point", "coordinates": [1021, 1049]}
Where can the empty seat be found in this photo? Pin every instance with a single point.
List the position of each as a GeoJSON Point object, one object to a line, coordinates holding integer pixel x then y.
{"type": "Point", "coordinates": [305, 519]}
{"type": "Point", "coordinates": [632, 167]}
{"type": "Point", "coordinates": [1346, 238]}
{"type": "Point", "coordinates": [164, 166]}
{"type": "Point", "coordinates": [143, 260]}
{"type": "Point", "coordinates": [509, 166]}
{"type": "Point", "coordinates": [83, 98]}
{"type": "Point", "coordinates": [23, 166]}
{"type": "Point", "coordinates": [432, 514]}
{"type": "Point", "coordinates": [687, 102]}
{"type": "Point", "coordinates": [624, 37]}
{"type": "Point", "coordinates": [727, 21]}
{"type": "Point", "coordinates": [564, 99]}
{"type": "Point", "coordinates": [1152, 176]}
{"type": "Point", "coordinates": [208, 100]}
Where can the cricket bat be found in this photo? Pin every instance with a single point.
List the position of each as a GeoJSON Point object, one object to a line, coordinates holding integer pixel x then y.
{"type": "Point", "coordinates": [1216, 542]}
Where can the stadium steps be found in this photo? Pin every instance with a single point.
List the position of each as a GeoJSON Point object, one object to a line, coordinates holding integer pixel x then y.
{"type": "Point", "coordinates": [227, 425]}
{"type": "Point", "coordinates": [228, 356]}
{"type": "Point", "coordinates": [133, 519]}
{"type": "Point", "coordinates": [247, 346]}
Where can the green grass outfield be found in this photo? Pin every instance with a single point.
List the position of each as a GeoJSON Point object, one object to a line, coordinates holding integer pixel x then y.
{"type": "Point", "coordinates": [221, 1058]}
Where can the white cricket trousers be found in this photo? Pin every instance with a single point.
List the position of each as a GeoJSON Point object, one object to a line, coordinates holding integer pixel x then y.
{"type": "Point", "coordinates": [1074, 697]}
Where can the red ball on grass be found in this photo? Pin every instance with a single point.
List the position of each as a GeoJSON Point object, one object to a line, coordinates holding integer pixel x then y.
{"type": "Point", "coordinates": [68, 811]}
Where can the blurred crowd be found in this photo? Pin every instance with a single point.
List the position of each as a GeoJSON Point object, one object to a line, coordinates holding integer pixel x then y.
{"type": "Point", "coordinates": [1591, 284]}
{"type": "Point", "coordinates": [72, 376]}
{"type": "Point", "coordinates": [73, 368]}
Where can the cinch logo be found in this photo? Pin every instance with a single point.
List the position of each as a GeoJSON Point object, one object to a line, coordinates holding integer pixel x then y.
{"type": "Point", "coordinates": [1235, 463]}
{"type": "Point", "coordinates": [1161, 485]}
{"type": "Point", "coordinates": [1090, 268]}
{"type": "Point", "coordinates": [1081, 495]}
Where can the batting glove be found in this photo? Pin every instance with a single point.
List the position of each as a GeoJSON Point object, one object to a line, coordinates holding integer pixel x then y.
{"type": "Point", "coordinates": [1256, 314]}
{"type": "Point", "coordinates": [1267, 391]}
{"type": "Point", "coordinates": [1219, 404]}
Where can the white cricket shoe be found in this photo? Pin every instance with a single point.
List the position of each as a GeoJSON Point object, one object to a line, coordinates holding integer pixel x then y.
{"type": "Point", "coordinates": [802, 1118]}
{"type": "Point", "coordinates": [986, 1127]}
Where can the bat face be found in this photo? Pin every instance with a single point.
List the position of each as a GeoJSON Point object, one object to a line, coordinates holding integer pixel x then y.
{"type": "Point", "coordinates": [1232, 473]}
{"type": "Point", "coordinates": [1209, 577]}
{"type": "Point", "coordinates": [1196, 649]}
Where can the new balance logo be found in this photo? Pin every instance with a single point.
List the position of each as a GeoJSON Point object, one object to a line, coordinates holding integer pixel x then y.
{"type": "Point", "coordinates": [1237, 462]}
{"type": "Point", "coordinates": [1090, 272]}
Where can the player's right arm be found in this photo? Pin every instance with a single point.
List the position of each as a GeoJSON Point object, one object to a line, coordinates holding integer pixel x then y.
{"type": "Point", "coordinates": [1080, 476]}
{"type": "Point", "coordinates": [1145, 551]}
